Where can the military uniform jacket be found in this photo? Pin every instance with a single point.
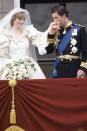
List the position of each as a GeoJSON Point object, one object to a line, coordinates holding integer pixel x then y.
{"type": "Point", "coordinates": [74, 55]}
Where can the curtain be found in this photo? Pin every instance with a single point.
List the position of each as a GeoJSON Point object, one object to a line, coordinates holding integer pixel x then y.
{"type": "Point", "coordinates": [46, 105]}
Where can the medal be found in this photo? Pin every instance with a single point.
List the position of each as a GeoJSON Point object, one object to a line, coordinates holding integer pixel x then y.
{"type": "Point", "coordinates": [74, 32]}
{"type": "Point", "coordinates": [74, 49]}
{"type": "Point", "coordinates": [73, 42]}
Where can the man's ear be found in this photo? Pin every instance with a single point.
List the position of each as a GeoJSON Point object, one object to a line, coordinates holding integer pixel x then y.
{"type": "Point", "coordinates": [64, 15]}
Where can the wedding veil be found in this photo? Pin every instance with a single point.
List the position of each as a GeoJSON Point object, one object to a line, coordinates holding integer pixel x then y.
{"type": "Point", "coordinates": [5, 24]}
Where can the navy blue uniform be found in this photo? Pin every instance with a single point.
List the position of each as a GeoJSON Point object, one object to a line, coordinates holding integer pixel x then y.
{"type": "Point", "coordinates": [74, 54]}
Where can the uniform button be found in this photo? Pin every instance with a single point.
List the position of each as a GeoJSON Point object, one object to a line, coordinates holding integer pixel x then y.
{"type": "Point", "coordinates": [70, 52]}
{"type": "Point", "coordinates": [70, 45]}
{"type": "Point", "coordinates": [70, 59]}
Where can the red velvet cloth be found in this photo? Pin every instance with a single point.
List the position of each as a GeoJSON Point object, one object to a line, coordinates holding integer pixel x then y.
{"type": "Point", "coordinates": [46, 105]}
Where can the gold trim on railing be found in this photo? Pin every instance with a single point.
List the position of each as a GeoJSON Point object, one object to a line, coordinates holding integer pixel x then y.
{"type": "Point", "coordinates": [13, 127]}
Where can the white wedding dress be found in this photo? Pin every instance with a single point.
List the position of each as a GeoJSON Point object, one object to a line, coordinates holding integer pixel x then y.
{"type": "Point", "coordinates": [12, 48]}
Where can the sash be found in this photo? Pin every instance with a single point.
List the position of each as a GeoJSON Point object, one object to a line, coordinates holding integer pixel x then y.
{"type": "Point", "coordinates": [62, 46]}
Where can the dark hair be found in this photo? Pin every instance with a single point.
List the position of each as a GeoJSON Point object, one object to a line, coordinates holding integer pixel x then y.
{"type": "Point", "coordinates": [60, 9]}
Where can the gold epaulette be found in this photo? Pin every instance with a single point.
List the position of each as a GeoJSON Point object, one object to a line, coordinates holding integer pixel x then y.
{"type": "Point", "coordinates": [79, 25]}
{"type": "Point", "coordinates": [84, 64]}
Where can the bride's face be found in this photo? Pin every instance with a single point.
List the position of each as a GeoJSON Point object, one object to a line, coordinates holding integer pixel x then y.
{"type": "Point", "coordinates": [18, 20]}
{"type": "Point", "coordinates": [19, 23]}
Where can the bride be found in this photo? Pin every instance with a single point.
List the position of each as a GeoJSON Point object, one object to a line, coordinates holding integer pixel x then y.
{"type": "Point", "coordinates": [17, 40]}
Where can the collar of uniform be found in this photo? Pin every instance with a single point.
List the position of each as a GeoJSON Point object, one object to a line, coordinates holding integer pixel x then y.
{"type": "Point", "coordinates": [69, 24]}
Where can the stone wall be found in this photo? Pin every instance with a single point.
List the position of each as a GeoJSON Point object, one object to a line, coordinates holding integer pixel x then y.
{"type": "Point", "coordinates": [5, 6]}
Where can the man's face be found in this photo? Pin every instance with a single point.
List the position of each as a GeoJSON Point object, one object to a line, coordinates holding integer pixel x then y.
{"type": "Point", "coordinates": [59, 19]}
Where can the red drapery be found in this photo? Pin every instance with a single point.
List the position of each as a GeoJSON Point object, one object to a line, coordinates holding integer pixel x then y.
{"type": "Point", "coordinates": [46, 105]}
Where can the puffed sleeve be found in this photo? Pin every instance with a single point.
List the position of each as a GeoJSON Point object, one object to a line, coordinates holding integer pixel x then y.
{"type": "Point", "coordinates": [3, 46]}
{"type": "Point", "coordinates": [39, 39]}
{"type": "Point", "coordinates": [4, 51]}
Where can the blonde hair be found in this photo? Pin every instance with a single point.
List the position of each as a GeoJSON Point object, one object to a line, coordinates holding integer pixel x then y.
{"type": "Point", "coordinates": [20, 15]}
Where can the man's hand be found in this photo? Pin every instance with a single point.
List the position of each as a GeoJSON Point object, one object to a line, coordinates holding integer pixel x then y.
{"type": "Point", "coordinates": [81, 74]}
{"type": "Point", "coordinates": [53, 27]}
